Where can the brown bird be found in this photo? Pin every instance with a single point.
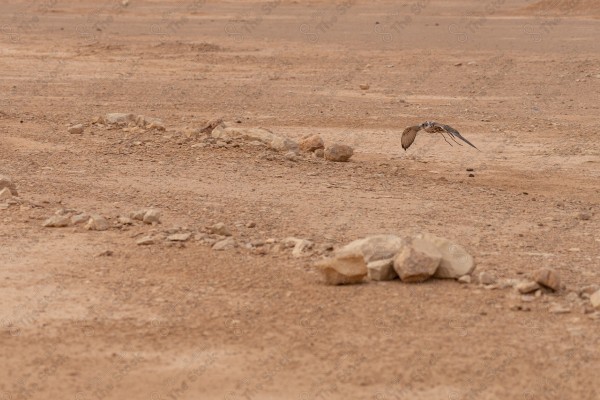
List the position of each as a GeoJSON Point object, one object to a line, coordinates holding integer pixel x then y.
{"type": "Point", "coordinates": [410, 133]}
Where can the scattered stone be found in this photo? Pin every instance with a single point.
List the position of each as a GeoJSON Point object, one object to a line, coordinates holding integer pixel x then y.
{"type": "Point", "coordinates": [527, 287]}
{"type": "Point", "coordinates": [225, 244]}
{"type": "Point", "coordinates": [373, 248]}
{"type": "Point", "coordinates": [547, 277]}
{"type": "Point", "coordinates": [586, 291]}
{"type": "Point", "coordinates": [417, 261]}
{"type": "Point", "coordinates": [5, 194]}
{"type": "Point", "coordinates": [364, 86]}
{"type": "Point", "coordinates": [126, 220]}
{"type": "Point", "coordinates": [382, 270]}
{"type": "Point", "coordinates": [343, 270]}
{"type": "Point", "coordinates": [520, 307]}
{"type": "Point", "coordinates": [179, 237]}
{"type": "Point", "coordinates": [338, 152]}
{"type": "Point", "coordinates": [6, 182]}
{"type": "Point", "coordinates": [319, 153]}
{"type": "Point", "coordinates": [145, 241]}
{"type": "Point", "coordinates": [464, 279]}
{"type": "Point", "coordinates": [455, 263]}
{"type": "Point", "coordinates": [251, 225]}
{"type": "Point", "coordinates": [76, 129]}
{"type": "Point", "coordinates": [471, 175]}
{"type": "Point", "coordinates": [486, 278]}
{"type": "Point", "coordinates": [311, 143]}
{"type": "Point", "coordinates": [225, 132]}
{"type": "Point", "coordinates": [57, 221]}
{"type": "Point", "coordinates": [220, 229]}
{"type": "Point", "coordinates": [595, 300]}
{"type": "Point", "coordinates": [105, 253]}
{"type": "Point", "coordinates": [470, 170]}
{"type": "Point", "coordinates": [152, 216]}
{"type": "Point", "coordinates": [80, 218]}
{"type": "Point", "coordinates": [138, 215]}
{"type": "Point", "coordinates": [97, 223]}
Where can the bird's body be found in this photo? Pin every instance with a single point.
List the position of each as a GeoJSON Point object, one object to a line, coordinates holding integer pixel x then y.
{"type": "Point", "coordinates": [410, 133]}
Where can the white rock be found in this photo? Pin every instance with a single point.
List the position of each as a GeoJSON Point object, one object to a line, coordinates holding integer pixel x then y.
{"type": "Point", "coordinates": [76, 129]}
{"type": "Point", "coordinates": [225, 132]}
{"type": "Point", "coordinates": [595, 300]}
{"type": "Point", "coordinates": [145, 241]}
{"type": "Point", "coordinates": [382, 270]}
{"type": "Point", "coordinates": [220, 229]}
{"type": "Point", "coordinates": [464, 279]}
{"type": "Point", "coordinates": [57, 221]}
{"type": "Point", "coordinates": [455, 263]}
{"type": "Point", "coordinates": [179, 237]}
{"type": "Point", "coordinates": [225, 244]}
{"type": "Point", "coordinates": [152, 216]}
{"type": "Point", "coordinates": [6, 182]}
{"type": "Point", "coordinates": [126, 220]}
{"type": "Point", "coordinates": [97, 223]}
{"type": "Point", "coordinates": [301, 247]}
{"type": "Point", "coordinates": [343, 270]}
{"type": "Point", "coordinates": [80, 218]}
{"type": "Point", "coordinates": [5, 194]}
{"type": "Point", "coordinates": [527, 287]}
{"type": "Point", "coordinates": [119, 118]}
{"type": "Point", "coordinates": [139, 214]}
{"type": "Point", "coordinates": [417, 261]}
{"type": "Point", "coordinates": [373, 248]}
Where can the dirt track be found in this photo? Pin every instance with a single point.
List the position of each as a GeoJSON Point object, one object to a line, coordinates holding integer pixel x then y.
{"type": "Point", "coordinates": [169, 322]}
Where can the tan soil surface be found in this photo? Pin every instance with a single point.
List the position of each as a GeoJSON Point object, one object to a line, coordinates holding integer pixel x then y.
{"type": "Point", "coordinates": [186, 322]}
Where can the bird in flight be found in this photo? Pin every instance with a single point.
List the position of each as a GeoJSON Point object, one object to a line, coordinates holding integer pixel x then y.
{"type": "Point", "coordinates": [410, 133]}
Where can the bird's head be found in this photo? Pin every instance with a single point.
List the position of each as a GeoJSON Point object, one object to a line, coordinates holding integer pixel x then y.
{"type": "Point", "coordinates": [426, 124]}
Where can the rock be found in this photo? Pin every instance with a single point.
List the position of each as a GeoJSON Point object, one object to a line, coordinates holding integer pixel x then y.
{"type": "Point", "coordinates": [126, 220]}
{"type": "Point", "coordinates": [76, 129]}
{"type": "Point", "coordinates": [119, 118]}
{"type": "Point", "coordinates": [584, 216]}
{"type": "Point", "coordinates": [152, 216]}
{"type": "Point", "coordinates": [486, 278]}
{"type": "Point", "coordinates": [527, 287]}
{"type": "Point", "coordinates": [138, 215]}
{"type": "Point", "coordinates": [338, 152]}
{"type": "Point", "coordinates": [80, 218]}
{"type": "Point", "coordinates": [224, 132]}
{"type": "Point", "coordinates": [417, 261]}
{"type": "Point", "coordinates": [595, 300]}
{"type": "Point", "coordinates": [301, 248]}
{"type": "Point", "coordinates": [455, 263]}
{"type": "Point", "coordinates": [225, 244]}
{"type": "Point", "coordinates": [57, 221]}
{"type": "Point", "coordinates": [373, 248]}
{"type": "Point", "coordinates": [586, 291]}
{"type": "Point", "coordinates": [559, 309]}
{"type": "Point", "coordinates": [6, 182]}
{"type": "Point", "coordinates": [220, 229]}
{"type": "Point", "coordinates": [547, 277]}
{"type": "Point", "coordinates": [156, 124]}
{"type": "Point", "coordinates": [5, 194]}
{"type": "Point", "coordinates": [291, 156]}
{"type": "Point", "coordinates": [97, 223]}
{"type": "Point", "coordinates": [251, 225]}
{"type": "Point", "coordinates": [145, 241]}
{"type": "Point", "coordinates": [343, 270]}
{"type": "Point", "coordinates": [382, 270]}
{"type": "Point", "coordinates": [319, 153]}
{"type": "Point", "coordinates": [464, 279]}
{"type": "Point", "coordinates": [179, 237]}
{"type": "Point", "coordinates": [212, 124]}
{"type": "Point", "coordinates": [311, 143]}
{"type": "Point", "coordinates": [364, 86]}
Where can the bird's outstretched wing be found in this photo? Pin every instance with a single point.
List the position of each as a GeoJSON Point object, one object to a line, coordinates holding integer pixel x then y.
{"type": "Point", "coordinates": [409, 135]}
{"type": "Point", "coordinates": [453, 132]}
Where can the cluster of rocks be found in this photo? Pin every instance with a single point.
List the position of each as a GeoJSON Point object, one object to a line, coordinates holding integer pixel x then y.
{"type": "Point", "coordinates": [225, 133]}
{"type": "Point", "coordinates": [65, 217]}
{"type": "Point", "coordinates": [8, 192]}
{"type": "Point", "coordinates": [421, 257]}
{"type": "Point", "coordinates": [129, 122]}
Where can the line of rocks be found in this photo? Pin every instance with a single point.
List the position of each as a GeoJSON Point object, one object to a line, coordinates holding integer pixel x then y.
{"type": "Point", "coordinates": [424, 256]}
{"type": "Point", "coordinates": [65, 217]}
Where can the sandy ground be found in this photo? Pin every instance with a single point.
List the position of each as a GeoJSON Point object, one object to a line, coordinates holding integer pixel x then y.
{"type": "Point", "coordinates": [518, 79]}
